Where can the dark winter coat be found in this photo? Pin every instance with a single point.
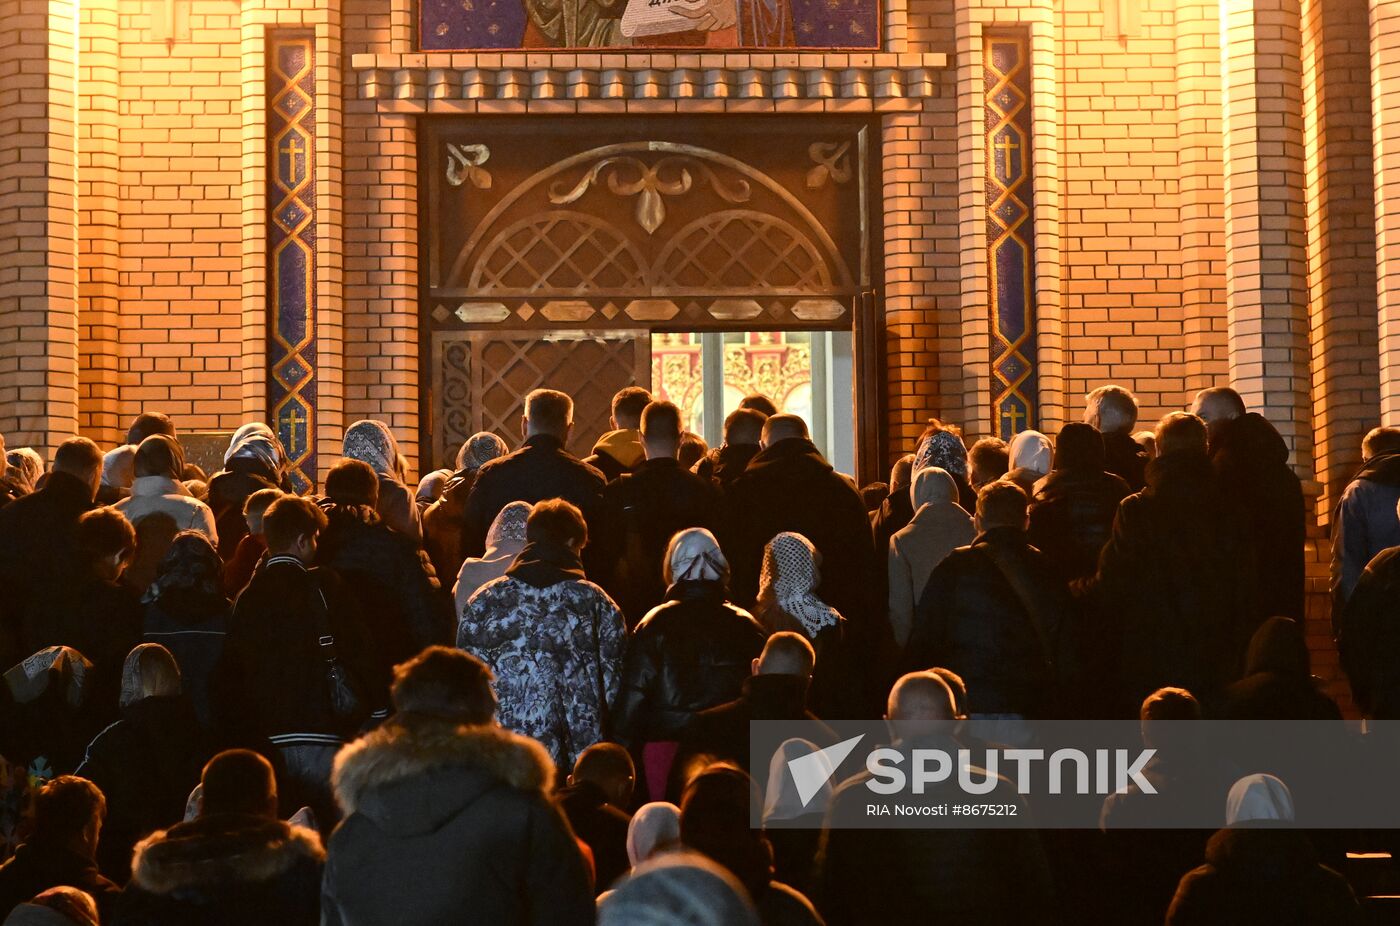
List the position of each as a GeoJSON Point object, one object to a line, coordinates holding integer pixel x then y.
{"type": "Point", "coordinates": [1368, 637]}
{"type": "Point", "coordinates": [1125, 458]}
{"type": "Point", "coordinates": [540, 469]}
{"type": "Point", "coordinates": [601, 826]}
{"type": "Point", "coordinates": [272, 676]}
{"type": "Point", "coordinates": [193, 631]}
{"type": "Point", "coordinates": [790, 487]}
{"type": "Point", "coordinates": [1072, 518]}
{"type": "Point", "coordinates": [642, 511]}
{"type": "Point", "coordinates": [1278, 683]}
{"type": "Point", "coordinates": [1263, 877]}
{"type": "Point", "coordinates": [984, 875]}
{"type": "Point", "coordinates": [723, 731]}
{"type": "Point", "coordinates": [36, 867]}
{"type": "Point", "coordinates": [1251, 463]}
{"type": "Point", "coordinates": [39, 560]}
{"type": "Point", "coordinates": [1365, 523]}
{"type": "Point", "coordinates": [229, 490]}
{"type": "Point", "coordinates": [971, 619]}
{"type": "Point", "coordinates": [449, 824]}
{"type": "Point", "coordinates": [691, 653]}
{"type": "Point", "coordinates": [146, 764]}
{"type": "Point", "coordinates": [225, 870]}
{"type": "Point", "coordinates": [391, 579]}
{"type": "Point", "coordinates": [724, 464]}
{"type": "Point", "coordinates": [893, 515]}
{"type": "Point", "coordinates": [1178, 579]}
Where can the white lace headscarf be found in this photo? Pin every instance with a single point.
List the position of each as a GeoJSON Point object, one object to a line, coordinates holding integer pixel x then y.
{"type": "Point", "coordinates": [373, 443]}
{"type": "Point", "coordinates": [787, 586]}
{"type": "Point", "coordinates": [694, 556]}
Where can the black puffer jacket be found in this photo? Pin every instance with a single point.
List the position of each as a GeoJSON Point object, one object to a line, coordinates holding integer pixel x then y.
{"type": "Point", "coordinates": [540, 469]}
{"type": "Point", "coordinates": [1263, 877]}
{"type": "Point", "coordinates": [1072, 518]}
{"type": "Point", "coordinates": [970, 619]}
{"type": "Point", "coordinates": [691, 653]}
{"type": "Point", "coordinates": [222, 870]}
{"type": "Point", "coordinates": [390, 577]}
{"type": "Point", "coordinates": [447, 824]}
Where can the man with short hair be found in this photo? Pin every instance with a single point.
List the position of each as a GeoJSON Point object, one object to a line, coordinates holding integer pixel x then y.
{"type": "Point", "coordinates": [897, 875]}
{"type": "Point", "coordinates": [39, 557]}
{"type": "Point", "coordinates": [293, 628]}
{"type": "Point", "coordinates": [62, 850]}
{"type": "Point", "coordinates": [1114, 411]}
{"type": "Point", "coordinates": [448, 817]}
{"type": "Point", "coordinates": [595, 800]}
{"type": "Point", "coordinates": [148, 423]}
{"type": "Point", "coordinates": [235, 862]}
{"type": "Point", "coordinates": [644, 509]}
{"type": "Point", "coordinates": [1250, 458]}
{"type": "Point", "coordinates": [760, 403]}
{"type": "Point", "coordinates": [620, 450]}
{"type": "Point", "coordinates": [997, 615]}
{"type": "Point", "coordinates": [1178, 573]}
{"type": "Point", "coordinates": [987, 461]}
{"type": "Point", "coordinates": [743, 429]}
{"type": "Point", "coordinates": [539, 470]}
{"type": "Point", "coordinates": [554, 638]}
{"type": "Point", "coordinates": [1365, 522]}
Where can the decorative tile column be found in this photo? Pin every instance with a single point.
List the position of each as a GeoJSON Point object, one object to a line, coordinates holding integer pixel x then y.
{"type": "Point", "coordinates": [291, 247]}
{"type": "Point", "coordinates": [1266, 258]}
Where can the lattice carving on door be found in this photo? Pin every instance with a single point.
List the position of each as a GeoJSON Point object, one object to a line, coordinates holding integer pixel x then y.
{"type": "Point", "coordinates": [561, 252]}
{"type": "Point", "coordinates": [485, 377]}
{"type": "Point", "coordinates": [741, 251]}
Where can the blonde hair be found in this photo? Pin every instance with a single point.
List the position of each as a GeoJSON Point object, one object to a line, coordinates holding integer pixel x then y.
{"type": "Point", "coordinates": [150, 671]}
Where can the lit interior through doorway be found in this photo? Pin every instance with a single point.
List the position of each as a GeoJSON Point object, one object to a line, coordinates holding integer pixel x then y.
{"type": "Point", "coordinates": [806, 373]}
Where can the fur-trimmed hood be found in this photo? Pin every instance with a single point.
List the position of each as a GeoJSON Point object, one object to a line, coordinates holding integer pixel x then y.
{"type": "Point", "coordinates": [221, 850]}
{"type": "Point", "coordinates": [412, 775]}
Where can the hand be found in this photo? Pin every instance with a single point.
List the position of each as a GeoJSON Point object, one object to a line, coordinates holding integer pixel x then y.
{"type": "Point", "coordinates": [710, 15]}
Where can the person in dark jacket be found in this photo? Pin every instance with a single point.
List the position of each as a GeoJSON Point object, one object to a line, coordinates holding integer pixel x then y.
{"type": "Point", "coordinates": [690, 653]}
{"type": "Point", "coordinates": [643, 509]}
{"type": "Point", "coordinates": [599, 788]}
{"type": "Point", "coordinates": [384, 570]}
{"type": "Point", "coordinates": [68, 815]}
{"type": "Point", "coordinates": [1368, 637]}
{"type": "Point", "coordinates": [777, 690]}
{"type": "Point", "coordinates": [997, 614]}
{"type": "Point", "coordinates": [443, 520]}
{"type": "Point", "coordinates": [539, 470]}
{"type": "Point", "coordinates": [1251, 464]}
{"type": "Point", "coordinates": [233, 864]}
{"type": "Point", "coordinates": [897, 507]}
{"type": "Point", "coordinates": [982, 875]}
{"type": "Point", "coordinates": [620, 450]}
{"type": "Point", "coordinates": [1113, 410]}
{"type": "Point", "coordinates": [1178, 574]}
{"type": "Point", "coordinates": [743, 429]}
{"type": "Point", "coordinates": [1259, 872]}
{"type": "Point", "coordinates": [148, 761]}
{"type": "Point", "coordinates": [448, 817]}
{"type": "Point", "coordinates": [1072, 510]}
{"type": "Point", "coordinates": [1365, 522]}
{"type": "Point", "coordinates": [788, 486]}
{"type": "Point", "coordinates": [1278, 683]}
{"type": "Point", "coordinates": [39, 556]}
{"type": "Point", "coordinates": [288, 626]}
{"type": "Point", "coordinates": [187, 613]}
{"type": "Point", "coordinates": [254, 460]}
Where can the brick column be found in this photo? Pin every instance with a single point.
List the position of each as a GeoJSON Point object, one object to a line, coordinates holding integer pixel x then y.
{"type": "Point", "coordinates": [1341, 237]}
{"type": "Point", "coordinates": [1265, 224]}
{"type": "Point", "coordinates": [38, 223]}
{"type": "Point", "coordinates": [1385, 123]}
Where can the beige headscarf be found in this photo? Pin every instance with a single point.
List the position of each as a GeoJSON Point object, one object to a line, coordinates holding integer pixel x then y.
{"type": "Point", "coordinates": [694, 556]}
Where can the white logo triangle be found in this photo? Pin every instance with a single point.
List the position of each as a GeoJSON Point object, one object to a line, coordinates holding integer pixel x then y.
{"type": "Point", "coordinates": [811, 772]}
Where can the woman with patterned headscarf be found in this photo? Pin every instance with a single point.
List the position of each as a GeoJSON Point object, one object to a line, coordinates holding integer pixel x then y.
{"type": "Point", "coordinates": [942, 445]}
{"type": "Point", "coordinates": [187, 613]}
{"type": "Point", "coordinates": [254, 460]}
{"type": "Point", "coordinates": [787, 600]}
{"type": "Point", "coordinates": [372, 442]}
{"type": "Point", "coordinates": [504, 542]}
{"type": "Point", "coordinates": [442, 522]}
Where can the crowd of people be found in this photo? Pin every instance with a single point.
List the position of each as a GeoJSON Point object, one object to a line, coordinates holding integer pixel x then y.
{"type": "Point", "coordinates": [521, 691]}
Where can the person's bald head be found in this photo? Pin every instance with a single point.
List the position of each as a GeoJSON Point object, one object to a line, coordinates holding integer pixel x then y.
{"type": "Point", "coordinates": [786, 653]}
{"type": "Point", "coordinates": [921, 704]}
{"type": "Point", "coordinates": [783, 427]}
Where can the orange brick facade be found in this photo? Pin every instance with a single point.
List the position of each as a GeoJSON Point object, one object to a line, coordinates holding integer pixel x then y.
{"type": "Point", "coordinates": [1208, 204]}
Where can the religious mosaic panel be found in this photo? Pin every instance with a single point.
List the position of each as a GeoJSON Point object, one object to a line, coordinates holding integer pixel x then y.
{"type": "Point", "coordinates": [462, 25]}
{"type": "Point", "coordinates": [291, 247]}
{"type": "Point", "coordinates": [1010, 229]}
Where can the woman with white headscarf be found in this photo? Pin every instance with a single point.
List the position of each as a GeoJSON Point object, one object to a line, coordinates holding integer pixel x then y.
{"type": "Point", "coordinates": [691, 652]}
{"type": "Point", "coordinates": [504, 542]}
{"type": "Point", "coordinates": [371, 442]}
{"type": "Point", "coordinates": [254, 460]}
{"type": "Point", "coordinates": [678, 889]}
{"type": "Point", "coordinates": [26, 462]}
{"type": "Point", "coordinates": [443, 520]}
{"type": "Point", "coordinates": [787, 600]}
{"type": "Point", "coordinates": [1031, 456]}
{"type": "Point", "coordinates": [939, 527]}
{"type": "Point", "coordinates": [1260, 870]}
